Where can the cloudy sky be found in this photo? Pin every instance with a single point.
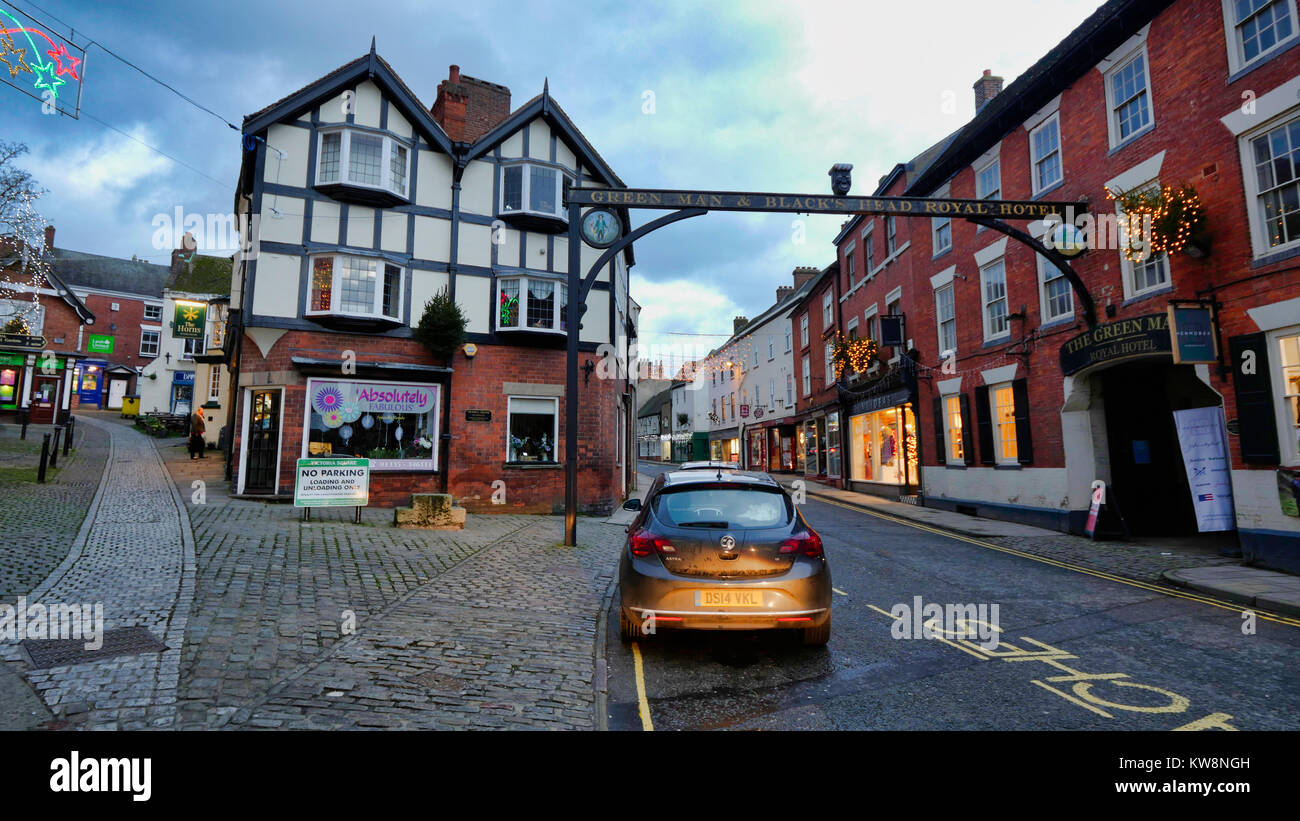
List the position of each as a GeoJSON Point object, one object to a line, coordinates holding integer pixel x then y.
{"type": "Point", "coordinates": [757, 95]}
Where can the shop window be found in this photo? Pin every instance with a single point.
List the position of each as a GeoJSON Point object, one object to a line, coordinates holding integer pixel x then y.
{"type": "Point", "coordinates": [832, 444]}
{"type": "Point", "coordinates": [882, 446]}
{"type": "Point", "coordinates": [393, 424]}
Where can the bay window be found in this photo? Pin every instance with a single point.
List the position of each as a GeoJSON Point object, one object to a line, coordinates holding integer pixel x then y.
{"type": "Point", "coordinates": [354, 157]}
{"type": "Point", "coordinates": [532, 304]}
{"type": "Point", "coordinates": [532, 188]}
{"type": "Point", "coordinates": [344, 285]}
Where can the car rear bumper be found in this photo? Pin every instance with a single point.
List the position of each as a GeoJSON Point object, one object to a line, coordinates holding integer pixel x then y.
{"type": "Point", "coordinates": [797, 599]}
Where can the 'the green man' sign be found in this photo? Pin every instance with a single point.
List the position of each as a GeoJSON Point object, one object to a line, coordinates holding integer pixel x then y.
{"type": "Point", "coordinates": [189, 320]}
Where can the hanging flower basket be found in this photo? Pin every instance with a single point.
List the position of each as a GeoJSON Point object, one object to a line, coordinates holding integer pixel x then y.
{"type": "Point", "coordinates": [852, 354]}
{"type": "Point", "coordinates": [1162, 221]}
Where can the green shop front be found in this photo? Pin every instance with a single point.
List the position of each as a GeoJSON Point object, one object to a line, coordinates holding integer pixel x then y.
{"type": "Point", "coordinates": [36, 384]}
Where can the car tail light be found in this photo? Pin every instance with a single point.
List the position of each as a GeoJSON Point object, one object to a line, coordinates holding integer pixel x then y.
{"type": "Point", "coordinates": [645, 541]}
{"type": "Point", "coordinates": [808, 543]}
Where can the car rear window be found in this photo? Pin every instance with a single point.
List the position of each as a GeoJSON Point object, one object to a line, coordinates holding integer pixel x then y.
{"type": "Point", "coordinates": [735, 507]}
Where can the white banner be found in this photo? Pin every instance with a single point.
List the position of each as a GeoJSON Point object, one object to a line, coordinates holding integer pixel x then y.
{"type": "Point", "coordinates": [1203, 438]}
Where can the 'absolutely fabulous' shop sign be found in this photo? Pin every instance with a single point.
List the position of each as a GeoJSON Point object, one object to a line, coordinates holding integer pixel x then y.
{"type": "Point", "coordinates": [1139, 336]}
{"type": "Point", "coordinates": [365, 397]}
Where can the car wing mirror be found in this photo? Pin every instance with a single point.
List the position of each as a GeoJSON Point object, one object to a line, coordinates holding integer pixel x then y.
{"type": "Point", "coordinates": [632, 504]}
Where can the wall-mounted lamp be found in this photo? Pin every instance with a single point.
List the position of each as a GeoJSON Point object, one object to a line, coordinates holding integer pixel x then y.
{"type": "Point", "coordinates": [587, 368]}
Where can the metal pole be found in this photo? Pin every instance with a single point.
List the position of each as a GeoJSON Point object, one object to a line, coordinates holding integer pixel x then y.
{"type": "Point", "coordinates": [54, 451]}
{"type": "Point", "coordinates": [571, 381]}
{"type": "Point", "coordinates": [45, 456]}
{"type": "Point", "coordinates": [67, 440]}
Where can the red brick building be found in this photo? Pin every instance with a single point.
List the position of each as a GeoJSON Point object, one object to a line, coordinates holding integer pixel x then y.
{"type": "Point", "coordinates": [816, 320]}
{"type": "Point", "coordinates": [1020, 406]}
{"type": "Point", "coordinates": [370, 204]}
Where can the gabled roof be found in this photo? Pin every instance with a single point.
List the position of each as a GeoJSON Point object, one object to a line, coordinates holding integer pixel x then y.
{"type": "Point", "coordinates": [367, 67]}
{"type": "Point", "coordinates": [1104, 31]}
{"type": "Point", "coordinates": [56, 283]}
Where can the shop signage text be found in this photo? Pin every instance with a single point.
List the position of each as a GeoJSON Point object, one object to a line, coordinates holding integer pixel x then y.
{"type": "Point", "coordinates": [799, 203]}
{"type": "Point", "coordinates": [1191, 327]}
{"type": "Point", "coordinates": [363, 397]}
{"type": "Point", "coordinates": [1139, 336]}
{"type": "Point", "coordinates": [100, 343]}
{"type": "Point", "coordinates": [478, 415]}
{"type": "Point", "coordinates": [189, 320]}
{"type": "Point", "coordinates": [22, 341]}
{"type": "Point", "coordinates": [332, 483]}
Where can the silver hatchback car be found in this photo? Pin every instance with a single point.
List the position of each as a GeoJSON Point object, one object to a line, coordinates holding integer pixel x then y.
{"type": "Point", "coordinates": [722, 550]}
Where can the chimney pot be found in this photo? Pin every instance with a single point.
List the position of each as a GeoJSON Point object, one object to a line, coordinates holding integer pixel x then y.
{"type": "Point", "coordinates": [453, 73]}
{"type": "Point", "coordinates": [738, 324]}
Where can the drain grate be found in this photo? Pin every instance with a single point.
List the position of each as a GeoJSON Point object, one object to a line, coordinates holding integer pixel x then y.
{"type": "Point", "coordinates": [124, 641]}
{"type": "Point", "coordinates": [437, 681]}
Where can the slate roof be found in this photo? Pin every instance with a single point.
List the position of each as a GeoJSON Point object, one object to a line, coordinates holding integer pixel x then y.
{"type": "Point", "coordinates": [81, 270]}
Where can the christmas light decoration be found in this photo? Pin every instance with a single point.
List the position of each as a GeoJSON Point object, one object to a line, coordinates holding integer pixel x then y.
{"type": "Point", "coordinates": [854, 354]}
{"type": "Point", "coordinates": [48, 60]}
{"type": "Point", "coordinates": [1160, 220]}
{"type": "Point", "coordinates": [22, 230]}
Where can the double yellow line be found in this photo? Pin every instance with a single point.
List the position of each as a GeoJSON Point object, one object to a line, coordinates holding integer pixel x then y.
{"type": "Point", "coordinates": [1287, 620]}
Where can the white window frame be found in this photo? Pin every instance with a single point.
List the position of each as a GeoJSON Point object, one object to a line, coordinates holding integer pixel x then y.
{"type": "Point", "coordinates": [1034, 161]}
{"type": "Point", "coordinates": [214, 384]}
{"type": "Point", "coordinates": [891, 236]}
{"type": "Point", "coordinates": [157, 343]}
{"type": "Point", "coordinates": [872, 329]}
{"type": "Point", "coordinates": [850, 262]}
{"type": "Point", "coordinates": [561, 303]}
{"type": "Point", "coordinates": [1258, 227]}
{"type": "Point", "coordinates": [852, 328]}
{"type": "Point", "coordinates": [937, 224]}
{"type": "Point", "coordinates": [789, 390]}
{"type": "Point", "coordinates": [1112, 113]}
{"type": "Point", "coordinates": [998, 424]}
{"type": "Point", "coordinates": [940, 321]}
{"type": "Point", "coordinates": [555, 423]}
{"type": "Point", "coordinates": [995, 163]}
{"type": "Point", "coordinates": [771, 347]}
{"type": "Point", "coordinates": [150, 306]}
{"type": "Point", "coordinates": [789, 333]}
{"type": "Point", "coordinates": [803, 331]}
{"type": "Point", "coordinates": [561, 175]}
{"type": "Point", "coordinates": [951, 407]}
{"type": "Point", "coordinates": [1128, 269]}
{"type": "Point", "coordinates": [1237, 61]}
{"type": "Point", "coordinates": [390, 142]}
{"type": "Point", "coordinates": [828, 310]}
{"type": "Point", "coordinates": [191, 348]}
{"type": "Point", "coordinates": [985, 302]}
{"type": "Point", "coordinates": [1288, 435]}
{"type": "Point", "coordinates": [336, 290]}
{"type": "Point", "coordinates": [807, 375]}
{"type": "Point", "coordinates": [1046, 269]}
{"type": "Point", "coordinates": [830, 365]}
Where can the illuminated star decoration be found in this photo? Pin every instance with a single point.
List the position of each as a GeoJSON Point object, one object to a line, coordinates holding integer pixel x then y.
{"type": "Point", "coordinates": [60, 54]}
{"type": "Point", "coordinates": [7, 47]}
{"type": "Point", "coordinates": [52, 81]}
{"type": "Point", "coordinates": [190, 314]}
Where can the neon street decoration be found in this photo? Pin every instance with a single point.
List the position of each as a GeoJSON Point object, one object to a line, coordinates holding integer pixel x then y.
{"type": "Point", "coordinates": [39, 62]}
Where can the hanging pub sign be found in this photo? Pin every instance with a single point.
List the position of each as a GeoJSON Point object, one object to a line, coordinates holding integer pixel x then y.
{"type": "Point", "coordinates": [189, 320]}
{"type": "Point", "coordinates": [22, 341]}
{"type": "Point", "coordinates": [892, 331]}
{"type": "Point", "coordinates": [1124, 338]}
{"type": "Point", "coordinates": [744, 411]}
{"type": "Point", "coordinates": [1193, 333]}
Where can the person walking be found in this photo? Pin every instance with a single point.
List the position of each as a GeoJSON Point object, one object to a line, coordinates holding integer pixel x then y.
{"type": "Point", "coordinates": [197, 428]}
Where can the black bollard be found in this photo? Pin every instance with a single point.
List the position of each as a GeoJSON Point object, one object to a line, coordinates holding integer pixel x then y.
{"type": "Point", "coordinates": [54, 451]}
{"type": "Point", "coordinates": [67, 439]}
{"type": "Point", "coordinates": [22, 417]}
{"type": "Point", "coordinates": [45, 455]}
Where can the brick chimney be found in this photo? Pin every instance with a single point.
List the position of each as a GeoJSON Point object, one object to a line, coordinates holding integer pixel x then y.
{"type": "Point", "coordinates": [804, 273]}
{"type": "Point", "coordinates": [468, 108]}
{"type": "Point", "coordinates": [783, 291]}
{"type": "Point", "coordinates": [49, 238]}
{"type": "Point", "coordinates": [986, 88]}
{"type": "Point", "coordinates": [738, 324]}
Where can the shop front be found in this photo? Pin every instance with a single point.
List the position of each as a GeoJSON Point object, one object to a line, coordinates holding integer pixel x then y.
{"type": "Point", "coordinates": [42, 386]}
{"type": "Point", "coordinates": [882, 438]}
{"type": "Point", "coordinates": [782, 443]}
{"type": "Point", "coordinates": [724, 445]}
{"type": "Point", "coordinates": [756, 448]}
{"type": "Point", "coordinates": [182, 392]}
{"type": "Point", "coordinates": [89, 383]}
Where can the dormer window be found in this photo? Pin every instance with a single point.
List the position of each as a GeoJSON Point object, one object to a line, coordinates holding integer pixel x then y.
{"type": "Point", "coordinates": [532, 190]}
{"type": "Point", "coordinates": [368, 164]}
{"type": "Point", "coordinates": [532, 304]}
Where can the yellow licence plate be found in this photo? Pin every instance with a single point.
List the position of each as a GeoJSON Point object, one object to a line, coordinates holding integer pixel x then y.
{"type": "Point", "coordinates": [728, 598]}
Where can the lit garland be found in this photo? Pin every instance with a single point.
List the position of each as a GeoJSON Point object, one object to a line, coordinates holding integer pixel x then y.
{"type": "Point", "coordinates": [852, 353]}
{"type": "Point", "coordinates": [1159, 220]}
{"type": "Point", "coordinates": [23, 231]}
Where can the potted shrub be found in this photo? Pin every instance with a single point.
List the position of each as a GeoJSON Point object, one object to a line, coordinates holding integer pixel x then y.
{"type": "Point", "coordinates": [441, 329]}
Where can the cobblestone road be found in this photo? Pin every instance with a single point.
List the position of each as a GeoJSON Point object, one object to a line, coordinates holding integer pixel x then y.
{"type": "Point", "coordinates": [135, 558]}
{"type": "Point", "coordinates": [492, 626]}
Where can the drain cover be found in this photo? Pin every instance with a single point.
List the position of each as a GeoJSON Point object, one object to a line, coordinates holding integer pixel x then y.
{"type": "Point", "coordinates": [436, 681]}
{"type": "Point", "coordinates": [124, 641]}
